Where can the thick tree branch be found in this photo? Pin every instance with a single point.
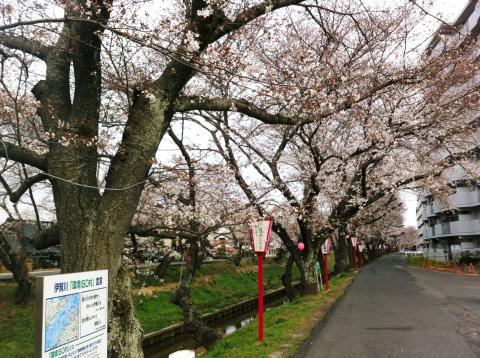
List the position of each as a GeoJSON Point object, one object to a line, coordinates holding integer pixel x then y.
{"type": "Point", "coordinates": [251, 14]}
{"type": "Point", "coordinates": [32, 47]}
{"type": "Point", "coordinates": [28, 183]}
{"type": "Point", "coordinates": [22, 155]}
{"type": "Point", "coordinates": [185, 104]}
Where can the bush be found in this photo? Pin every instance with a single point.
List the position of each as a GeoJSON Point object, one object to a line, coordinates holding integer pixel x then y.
{"type": "Point", "coordinates": [467, 258]}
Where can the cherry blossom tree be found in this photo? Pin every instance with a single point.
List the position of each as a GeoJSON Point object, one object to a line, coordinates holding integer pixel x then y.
{"type": "Point", "coordinates": [76, 51]}
{"type": "Point", "coordinates": [107, 84]}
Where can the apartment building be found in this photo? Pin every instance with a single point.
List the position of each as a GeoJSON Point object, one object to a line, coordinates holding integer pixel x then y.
{"type": "Point", "coordinates": [450, 227]}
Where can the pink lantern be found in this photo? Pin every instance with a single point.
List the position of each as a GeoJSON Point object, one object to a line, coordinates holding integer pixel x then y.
{"type": "Point", "coordinates": [300, 246]}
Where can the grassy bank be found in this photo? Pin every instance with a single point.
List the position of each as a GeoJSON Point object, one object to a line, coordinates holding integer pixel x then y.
{"type": "Point", "coordinates": [286, 326]}
{"type": "Point", "coordinates": [16, 325]}
{"type": "Point", "coordinates": [217, 285]}
{"type": "Point", "coordinates": [415, 260]}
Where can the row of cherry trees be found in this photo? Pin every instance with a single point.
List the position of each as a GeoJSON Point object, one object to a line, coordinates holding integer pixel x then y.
{"type": "Point", "coordinates": [311, 112]}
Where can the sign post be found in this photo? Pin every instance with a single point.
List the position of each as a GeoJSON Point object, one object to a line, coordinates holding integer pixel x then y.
{"type": "Point", "coordinates": [260, 235]}
{"type": "Point", "coordinates": [354, 244]}
{"type": "Point", "coordinates": [72, 315]}
{"type": "Point", "coordinates": [326, 251]}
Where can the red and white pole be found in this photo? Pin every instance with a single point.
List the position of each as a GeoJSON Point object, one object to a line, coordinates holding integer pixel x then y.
{"type": "Point", "coordinates": [260, 234]}
{"type": "Point", "coordinates": [325, 269]}
{"type": "Point", "coordinates": [260, 295]}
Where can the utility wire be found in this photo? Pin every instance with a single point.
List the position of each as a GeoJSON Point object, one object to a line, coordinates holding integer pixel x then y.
{"type": "Point", "coordinates": [79, 184]}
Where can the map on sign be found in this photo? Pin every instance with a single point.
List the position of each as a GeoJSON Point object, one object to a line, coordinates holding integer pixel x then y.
{"type": "Point", "coordinates": [61, 320]}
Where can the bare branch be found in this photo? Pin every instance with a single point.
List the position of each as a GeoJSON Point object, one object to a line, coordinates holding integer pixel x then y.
{"type": "Point", "coordinates": [27, 184]}
{"type": "Point", "coordinates": [251, 14]}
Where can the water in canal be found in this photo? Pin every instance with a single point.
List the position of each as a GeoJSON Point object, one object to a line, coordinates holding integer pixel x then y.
{"type": "Point", "coordinates": [226, 326]}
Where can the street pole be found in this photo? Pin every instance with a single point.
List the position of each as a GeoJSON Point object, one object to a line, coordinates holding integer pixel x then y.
{"type": "Point", "coordinates": [260, 295]}
{"type": "Point", "coordinates": [260, 235]}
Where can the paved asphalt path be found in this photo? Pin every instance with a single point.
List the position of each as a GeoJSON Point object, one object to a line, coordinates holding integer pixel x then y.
{"type": "Point", "coordinates": [392, 310]}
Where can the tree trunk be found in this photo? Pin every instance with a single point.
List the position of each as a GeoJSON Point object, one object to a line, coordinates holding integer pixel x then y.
{"type": "Point", "coordinates": [287, 279]}
{"type": "Point", "coordinates": [310, 273]}
{"type": "Point", "coordinates": [125, 336]}
{"type": "Point", "coordinates": [100, 248]}
{"type": "Point", "coordinates": [163, 266]}
{"type": "Point", "coordinates": [13, 256]}
{"type": "Point", "coordinates": [342, 254]}
{"type": "Point", "coordinates": [205, 335]}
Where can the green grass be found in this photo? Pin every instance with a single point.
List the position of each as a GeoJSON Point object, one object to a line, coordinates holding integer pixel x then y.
{"type": "Point", "coordinates": [286, 326]}
{"type": "Point", "coordinates": [331, 261]}
{"type": "Point", "coordinates": [415, 260]}
{"type": "Point", "coordinates": [16, 325]}
{"type": "Point", "coordinates": [226, 286]}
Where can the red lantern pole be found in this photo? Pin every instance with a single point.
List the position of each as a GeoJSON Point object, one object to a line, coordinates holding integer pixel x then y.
{"type": "Point", "coordinates": [260, 295]}
{"type": "Point", "coordinates": [325, 269]}
{"type": "Point", "coordinates": [260, 235]}
{"type": "Point", "coordinates": [361, 259]}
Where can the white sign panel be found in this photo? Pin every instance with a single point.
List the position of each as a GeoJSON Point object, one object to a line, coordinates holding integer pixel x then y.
{"type": "Point", "coordinates": [73, 315]}
{"type": "Point", "coordinates": [326, 247]}
{"type": "Point", "coordinates": [360, 247]}
{"type": "Point", "coordinates": [260, 234]}
{"type": "Point", "coordinates": [354, 241]}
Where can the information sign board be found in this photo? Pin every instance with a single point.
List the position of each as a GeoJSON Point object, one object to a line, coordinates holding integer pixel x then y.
{"type": "Point", "coordinates": [72, 311]}
{"type": "Point", "coordinates": [260, 234]}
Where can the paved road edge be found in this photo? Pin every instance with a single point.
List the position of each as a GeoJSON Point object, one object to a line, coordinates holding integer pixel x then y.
{"type": "Point", "coordinates": [320, 324]}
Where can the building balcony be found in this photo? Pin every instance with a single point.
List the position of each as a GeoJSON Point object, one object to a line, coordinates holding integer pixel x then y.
{"type": "Point", "coordinates": [429, 211]}
{"type": "Point", "coordinates": [457, 228]}
{"type": "Point", "coordinates": [430, 232]}
{"type": "Point", "coordinates": [465, 198]}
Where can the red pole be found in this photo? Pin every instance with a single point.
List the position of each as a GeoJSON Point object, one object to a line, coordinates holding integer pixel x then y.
{"type": "Point", "coordinates": [325, 268]}
{"type": "Point", "coordinates": [361, 258]}
{"type": "Point", "coordinates": [355, 257]}
{"type": "Point", "coordinates": [260, 296]}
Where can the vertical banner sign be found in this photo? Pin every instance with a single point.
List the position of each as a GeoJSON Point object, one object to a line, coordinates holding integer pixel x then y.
{"type": "Point", "coordinates": [72, 315]}
{"type": "Point", "coordinates": [260, 235]}
{"type": "Point", "coordinates": [326, 251]}
{"type": "Point", "coordinates": [354, 244]}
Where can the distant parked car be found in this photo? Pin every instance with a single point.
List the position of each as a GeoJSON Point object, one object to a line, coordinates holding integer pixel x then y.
{"type": "Point", "coordinates": [412, 253]}
{"type": "Point", "coordinates": [148, 256]}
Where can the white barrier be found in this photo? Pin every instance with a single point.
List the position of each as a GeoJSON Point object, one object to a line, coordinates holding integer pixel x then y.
{"type": "Point", "coordinates": [182, 354]}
